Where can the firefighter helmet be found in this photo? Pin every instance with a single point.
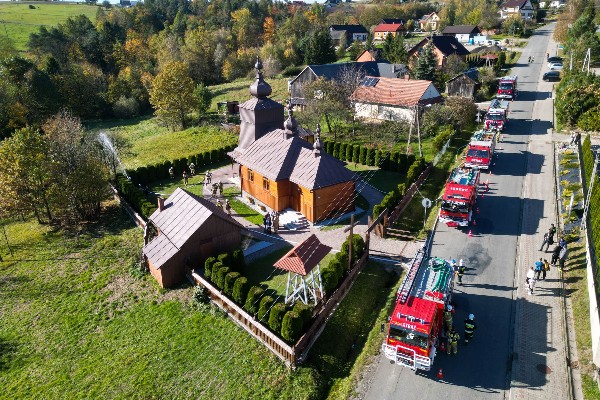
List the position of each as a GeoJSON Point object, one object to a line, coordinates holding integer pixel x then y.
{"type": "Point", "coordinates": [449, 307]}
{"type": "Point", "coordinates": [471, 316]}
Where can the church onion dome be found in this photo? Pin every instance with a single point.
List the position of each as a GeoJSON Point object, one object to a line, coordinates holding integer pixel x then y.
{"type": "Point", "coordinates": [317, 144]}
{"type": "Point", "coordinates": [290, 123]}
{"type": "Point", "coordinates": [260, 88]}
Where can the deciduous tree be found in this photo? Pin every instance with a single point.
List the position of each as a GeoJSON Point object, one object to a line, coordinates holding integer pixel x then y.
{"type": "Point", "coordinates": [172, 95]}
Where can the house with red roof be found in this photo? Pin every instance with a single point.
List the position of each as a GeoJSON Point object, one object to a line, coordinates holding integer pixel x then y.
{"type": "Point", "coordinates": [382, 30]}
{"type": "Point", "coordinates": [393, 99]}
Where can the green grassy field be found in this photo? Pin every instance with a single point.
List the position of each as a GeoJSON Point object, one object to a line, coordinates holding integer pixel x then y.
{"type": "Point", "coordinates": [239, 90]}
{"type": "Point", "coordinates": [77, 323]}
{"type": "Point", "coordinates": [19, 21]}
{"type": "Point", "coordinates": [151, 143]}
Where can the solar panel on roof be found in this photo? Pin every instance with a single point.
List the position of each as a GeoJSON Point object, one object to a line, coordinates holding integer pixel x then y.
{"type": "Point", "coordinates": [370, 82]}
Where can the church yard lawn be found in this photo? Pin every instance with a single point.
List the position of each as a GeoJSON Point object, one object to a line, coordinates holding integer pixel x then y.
{"type": "Point", "coordinates": [78, 323]}
{"type": "Point", "coordinates": [239, 90]}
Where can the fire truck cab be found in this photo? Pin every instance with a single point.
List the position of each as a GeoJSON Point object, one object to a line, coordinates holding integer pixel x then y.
{"type": "Point", "coordinates": [507, 88]}
{"type": "Point", "coordinates": [460, 195]}
{"type": "Point", "coordinates": [416, 323]}
{"type": "Point", "coordinates": [480, 151]}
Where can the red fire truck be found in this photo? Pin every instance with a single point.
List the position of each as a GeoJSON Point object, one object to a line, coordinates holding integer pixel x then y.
{"type": "Point", "coordinates": [497, 115]}
{"type": "Point", "coordinates": [480, 151]}
{"type": "Point", "coordinates": [459, 197]}
{"type": "Point", "coordinates": [416, 324]}
{"type": "Point", "coordinates": [507, 88]}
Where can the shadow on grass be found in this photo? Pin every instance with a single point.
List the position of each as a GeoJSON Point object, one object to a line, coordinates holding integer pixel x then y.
{"type": "Point", "coordinates": [8, 349]}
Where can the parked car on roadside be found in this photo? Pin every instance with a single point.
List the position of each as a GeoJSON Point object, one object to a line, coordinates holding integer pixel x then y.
{"type": "Point", "coordinates": [554, 59]}
{"type": "Point", "coordinates": [551, 76]}
{"type": "Point", "coordinates": [555, 66]}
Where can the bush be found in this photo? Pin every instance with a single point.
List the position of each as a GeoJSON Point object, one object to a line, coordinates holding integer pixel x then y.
{"type": "Point", "coordinates": [291, 327]}
{"type": "Point", "coordinates": [292, 70]}
{"type": "Point", "coordinates": [224, 259]}
{"type": "Point", "coordinates": [329, 279]}
{"type": "Point", "coordinates": [393, 163]}
{"type": "Point", "coordinates": [413, 173]}
{"type": "Point", "coordinates": [126, 107]}
{"type": "Point", "coordinates": [230, 279]}
{"type": "Point", "coordinates": [265, 308]}
{"type": "Point", "coordinates": [336, 149]}
{"type": "Point", "coordinates": [208, 265]}
{"type": "Point", "coordinates": [240, 290]}
{"type": "Point", "coordinates": [200, 295]}
{"type": "Point", "coordinates": [363, 155]}
{"type": "Point", "coordinates": [305, 313]}
{"type": "Point", "coordinates": [349, 150]}
{"type": "Point", "coordinates": [370, 157]}
{"type": "Point", "coordinates": [276, 316]}
{"type": "Point", "coordinates": [590, 120]}
{"type": "Point", "coordinates": [356, 153]}
{"type": "Point", "coordinates": [237, 260]}
{"type": "Point", "coordinates": [221, 274]}
{"type": "Point", "coordinates": [251, 304]}
{"type": "Point", "coordinates": [444, 133]}
{"type": "Point", "coordinates": [215, 271]}
{"type": "Point", "coordinates": [377, 160]}
{"type": "Point", "coordinates": [342, 155]}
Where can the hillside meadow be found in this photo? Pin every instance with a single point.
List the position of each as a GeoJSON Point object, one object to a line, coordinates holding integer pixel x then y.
{"type": "Point", "coordinates": [19, 20]}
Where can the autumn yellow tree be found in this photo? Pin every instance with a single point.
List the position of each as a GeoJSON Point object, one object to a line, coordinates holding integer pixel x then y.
{"type": "Point", "coordinates": [269, 30]}
{"type": "Point", "coordinates": [172, 94]}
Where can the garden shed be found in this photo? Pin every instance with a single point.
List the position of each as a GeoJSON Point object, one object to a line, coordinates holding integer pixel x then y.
{"type": "Point", "coordinates": [189, 230]}
{"type": "Point", "coordinates": [464, 85]}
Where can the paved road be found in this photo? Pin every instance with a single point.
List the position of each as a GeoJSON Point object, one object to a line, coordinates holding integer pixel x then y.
{"type": "Point", "coordinates": [483, 369]}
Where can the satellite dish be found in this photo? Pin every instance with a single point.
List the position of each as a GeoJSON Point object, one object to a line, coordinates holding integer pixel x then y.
{"type": "Point", "coordinates": [426, 203]}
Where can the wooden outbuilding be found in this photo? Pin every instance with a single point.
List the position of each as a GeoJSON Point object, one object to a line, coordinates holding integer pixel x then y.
{"type": "Point", "coordinates": [464, 85]}
{"type": "Point", "coordinates": [189, 230]}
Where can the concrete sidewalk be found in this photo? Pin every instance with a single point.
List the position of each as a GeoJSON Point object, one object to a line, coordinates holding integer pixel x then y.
{"type": "Point", "coordinates": [540, 357]}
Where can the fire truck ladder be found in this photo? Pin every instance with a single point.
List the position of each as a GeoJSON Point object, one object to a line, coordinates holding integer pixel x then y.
{"type": "Point", "coordinates": [409, 280]}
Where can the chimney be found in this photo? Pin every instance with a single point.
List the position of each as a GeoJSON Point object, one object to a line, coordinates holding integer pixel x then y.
{"type": "Point", "coordinates": [161, 203]}
{"type": "Point", "coordinates": [407, 77]}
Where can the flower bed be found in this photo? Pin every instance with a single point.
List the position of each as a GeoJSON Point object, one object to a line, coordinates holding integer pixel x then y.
{"type": "Point", "coordinates": [569, 185]}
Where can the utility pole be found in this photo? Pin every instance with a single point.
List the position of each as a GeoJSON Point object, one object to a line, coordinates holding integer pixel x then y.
{"type": "Point", "coordinates": [419, 132]}
{"type": "Point", "coordinates": [589, 194]}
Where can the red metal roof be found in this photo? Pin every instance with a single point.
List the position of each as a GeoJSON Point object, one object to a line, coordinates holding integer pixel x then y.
{"type": "Point", "coordinates": [456, 192]}
{"type": "Point", "coordinates": [304, 257]}
{"type": "Point", "coordinates": [416, 314]}
{"type": "Point", "coordinates": [389, 28]}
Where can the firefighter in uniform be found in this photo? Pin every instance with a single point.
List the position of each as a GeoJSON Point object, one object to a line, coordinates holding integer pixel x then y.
{"type": "Point", "coordinates": [453, 339]}
{"type": "Point", "coordinates": [470, 327]}
{"type": "Point", "coordinates": [448, 318]}
{"type": "Point", "coordinates": [460, 271]}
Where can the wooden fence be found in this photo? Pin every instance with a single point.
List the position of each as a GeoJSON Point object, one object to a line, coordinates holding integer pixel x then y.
{"type": "Point", "coordinates": [137, 218]}
{"type": "Point", "coordinates": [290, 355]}
{"type": "Point", "coordinates": [389, 220]}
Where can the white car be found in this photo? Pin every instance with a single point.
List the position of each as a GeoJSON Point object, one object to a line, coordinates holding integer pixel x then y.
{"type": "Point", "coordinates": [555, 66]}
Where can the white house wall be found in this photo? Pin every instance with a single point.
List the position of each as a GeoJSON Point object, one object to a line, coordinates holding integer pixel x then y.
{"type": "Point", "coordinates": [383, 112]}
{"type": "Point", "coordinates": [430, 93]}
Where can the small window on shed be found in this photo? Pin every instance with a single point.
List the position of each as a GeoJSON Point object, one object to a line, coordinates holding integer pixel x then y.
{"type": "Point", "coordinates": [265, 184]}
{"type": "Point", "coordinates": [251, 175]}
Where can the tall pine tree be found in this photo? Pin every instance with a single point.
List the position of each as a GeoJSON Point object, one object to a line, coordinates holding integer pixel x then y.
{"type": "Point", "coordinates": [426, 63]}
{"type": "Point", "coordinates": [319, 49]}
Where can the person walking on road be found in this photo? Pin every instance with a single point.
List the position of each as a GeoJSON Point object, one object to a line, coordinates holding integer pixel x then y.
{"type": "Point", "coordinates": [546, 268]}
{"type": "Point", "coordinates": [470, 327]}
{"type": "Point", "coordinates": [448, 318]}
{"type": "Point", "coordinates": [530, 280]}
{"type": "Point", "coordinates": [548, 238]}
{"type": "Point", "coordinates": [562, 257]}
{"type": "Point", "coordinates": [555, 254]}
{"type": "Point", "coordinates": [538, 267]}
{"type": "Point", "coordinates": [185, 178]}
{"type": "Point", "coordinates": [228, 207]}
{"type": "Point", "coordinates": [453, 339]}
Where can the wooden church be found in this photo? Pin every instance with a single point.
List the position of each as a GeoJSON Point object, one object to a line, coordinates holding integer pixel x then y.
{"type": "Point", "coordinates": [279, 169]}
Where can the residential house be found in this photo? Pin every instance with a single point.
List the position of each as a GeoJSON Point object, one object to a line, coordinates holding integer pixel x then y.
{"type": "Point", "coordinates": [189, 230]}
{"type": "Point", "coordinates": [280, 170]}
{"type": "Point", "coordinates": [393, 99]}
{"type": "Point", "coordinates": [557, 4]}
{"type": "Point", "coordinates": [429, 22]}
{"type": "Point", "coordinates": [400, 21]}
{"type": "Point", "coordinates": [346, 34]}
{"type": "Point", "coordinates": [339, 71]}
{"type": "Point", "coordinates": [464, 84]}
{"type": "Point", "coordinates": [382, 30]}
{"type": "Point", "coordinates": [369, 55]}
{"type": "Point", "coordinates": [443, 47]}
{"type": "Point", "coordinates": [524, 8]}
{"type": "Point", "coordinates": [462, 33]}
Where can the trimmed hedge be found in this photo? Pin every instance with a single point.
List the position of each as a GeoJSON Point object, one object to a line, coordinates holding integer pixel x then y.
{"type": "Point", "coordinates": [305, 313]}
{"type": "Point", "coordinates": [370, 157]}
{"type": "Point", "coordinates": [208, 265]}
{"type": "Point", "coordinates": [251, 305]}
{"type": "Point", "coordinates": [230, 279]}
{"type": "Point", "coordinates": [221, 273]}
{"type": "Point", "coordinates": [349, 150]}
{"type": "Point", "coordinates": [215, 271]}
{"type": "Point", "coordinates": [265, 307]}
{"type": "Point", "coordinates": [291, 326]}
{"type": "Point", "coordinates": [362, 157]}
{"type": "Point", "coordinates": [224, 259]}
{"type": "Point", "coordinates": [135, 196]}
{"type": "Point", "coordinates": [240, 290]}
{"type": "Point", "coordinates": [154, 172]}
{"type": "Point", "coordinates": [276, 316]}
{"type": "Point", "coordinates": [356, 153]}
{"type": "Point", "coordinates": [237, 260]}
